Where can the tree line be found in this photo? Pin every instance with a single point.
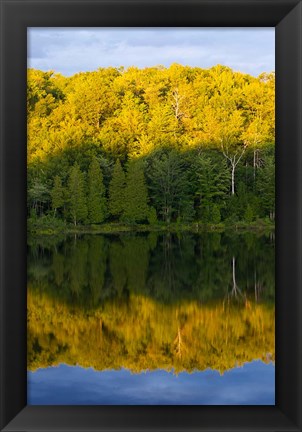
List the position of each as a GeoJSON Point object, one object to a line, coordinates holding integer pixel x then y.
{"type": "Point", "coordinates": [176, 144]}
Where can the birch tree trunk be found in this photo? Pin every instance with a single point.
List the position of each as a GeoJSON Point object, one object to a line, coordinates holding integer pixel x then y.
{"type": "Point", "coordinates": [234, 160]}
{"type": "Point", "coordinates": [233, 178]}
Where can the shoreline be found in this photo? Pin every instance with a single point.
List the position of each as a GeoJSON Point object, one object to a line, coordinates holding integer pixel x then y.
{"type": "Point", "coordinates": [259, 226]}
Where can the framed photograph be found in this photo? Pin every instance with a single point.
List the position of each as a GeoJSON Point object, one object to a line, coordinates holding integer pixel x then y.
{"type": "Point", "coordinates": [151, 215]}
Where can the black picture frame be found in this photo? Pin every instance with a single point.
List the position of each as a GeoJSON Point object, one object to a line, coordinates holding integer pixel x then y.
{"type": "Point", "coordinates": [286, 17]}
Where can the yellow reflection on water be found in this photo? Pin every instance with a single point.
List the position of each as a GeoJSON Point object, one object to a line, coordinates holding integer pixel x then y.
{"type": "Point", "coordinates": [141, 334]}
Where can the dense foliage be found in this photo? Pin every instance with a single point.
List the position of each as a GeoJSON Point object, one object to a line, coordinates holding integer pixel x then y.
{"type": "Point", "coordinates": [149, 145]}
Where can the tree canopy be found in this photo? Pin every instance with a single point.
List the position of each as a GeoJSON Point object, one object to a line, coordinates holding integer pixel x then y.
{"type": "Point", "coordinates": [201, 143]}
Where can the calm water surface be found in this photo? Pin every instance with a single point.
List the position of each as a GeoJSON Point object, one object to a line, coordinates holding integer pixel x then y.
{"type": "Point", "coordinates": [151, 319]}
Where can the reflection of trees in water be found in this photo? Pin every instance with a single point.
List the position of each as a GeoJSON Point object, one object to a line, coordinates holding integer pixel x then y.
{"type": "Point", "coordinates": [214, 269]}
{"type": "Point", "coordinates": [117, 266]}
{"type": "Point", "coordinates": [235, 292]}
{"type": "Point", "coordinates": [140, 333]}
{"type": "Point", "coordinates": [151, 301]}
{"type": "Point", "coordinates": [160, 276]}
{"type": "Point", "coordinates": [258, 287]}
{"type": "Point", "coordinates": [174, 268]}
{"type": "Point", "coordinates": [97, 264]}
{"type": "Point", "coordinates": [178, 343]}
{"type": "Point", "coordinates": [167, 267]}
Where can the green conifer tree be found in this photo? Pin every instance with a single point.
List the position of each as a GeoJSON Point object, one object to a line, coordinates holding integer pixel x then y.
{"type": "Point", "coordinates": [152, 216]}
{"type": "Point", "coordinates": [57, 194]}
{"type": "Point", "coordinates": [216, 216]}
{"type": "Point", "coordinates": [136, 207]}
{"type": "Point", "coordinates": [169, 186]}
{"type": "Point", "coordinates": [212, 183]}
{"type": "Point", "coordinates": [117, 190]}
{"type": "Point", "coordinates": [266, 187]}
{"type": "Point", "coordinates": [77, 198]}
{"type": "Point", "coordinates": [249, 214]}
{"type": "Point", "coordinates": [97, 205]}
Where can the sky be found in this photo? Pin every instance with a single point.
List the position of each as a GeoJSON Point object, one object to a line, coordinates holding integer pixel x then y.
{"type": "Point", "coordinates": [72, 50]}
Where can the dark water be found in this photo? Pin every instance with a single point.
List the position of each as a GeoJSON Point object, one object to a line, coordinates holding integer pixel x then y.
{"type": "Point", "coordinates": [151, 319]}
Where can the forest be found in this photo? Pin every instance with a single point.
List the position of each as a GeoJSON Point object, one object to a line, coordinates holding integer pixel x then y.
{"type": "Point", "coordinates": [154, 147]}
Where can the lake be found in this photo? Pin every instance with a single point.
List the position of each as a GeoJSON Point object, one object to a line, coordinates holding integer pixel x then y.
{"type": "Point", "coordinates": [152, 318]}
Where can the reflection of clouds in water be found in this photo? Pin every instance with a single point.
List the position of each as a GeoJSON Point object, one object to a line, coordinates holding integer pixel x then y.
{"type": "Point", "coordinates": [251, 384]}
